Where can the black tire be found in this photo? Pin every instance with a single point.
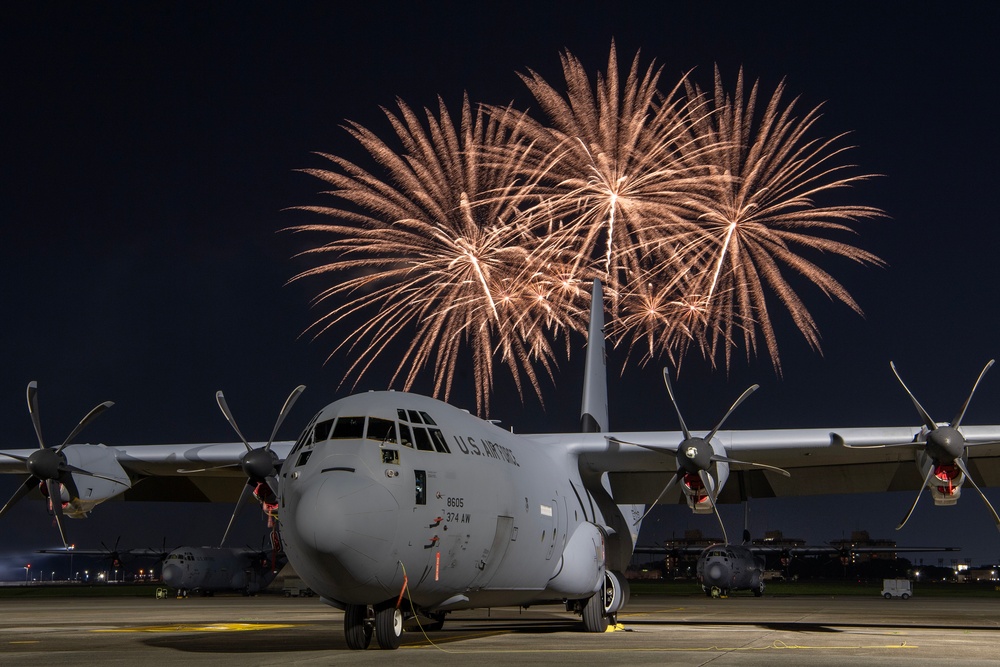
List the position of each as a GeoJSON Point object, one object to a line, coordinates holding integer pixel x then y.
{"type": "Point", "coordinates": [357, 627]}
{"type": "Point", "coordinates": [759, 591]}
{"type": "Point", "coordinates": [887, 596]}
{"type": "Point", "coordinates": [906, 596]}
{"type": "Point", "coordinates": [594, 618]}
{"type": "Point", "coordinates": [388, 627]}
{"type": "Point", "coordinates": [435, 623]}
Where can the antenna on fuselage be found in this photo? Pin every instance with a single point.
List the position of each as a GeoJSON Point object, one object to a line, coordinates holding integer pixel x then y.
{"type": "Point", "coordinates": [594, 409]}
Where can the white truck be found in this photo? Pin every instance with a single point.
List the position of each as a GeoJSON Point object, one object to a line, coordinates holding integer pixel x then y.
{"type": "Point", "coordinates": [897, 588]}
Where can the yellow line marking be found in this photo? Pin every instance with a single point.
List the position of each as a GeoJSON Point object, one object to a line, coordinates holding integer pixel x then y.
{"type": "Point", "coordinates": [208, 627]}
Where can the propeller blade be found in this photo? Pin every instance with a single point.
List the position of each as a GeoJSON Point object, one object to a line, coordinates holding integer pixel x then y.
{"type": "Point", "coordinates": [930, 471]}
{"type": "Point", "coordinates": [670, 393]}
{"type": "Point", "coordinates": [703, 474]}
{"type": "Point", "coordinates": [917, 443]}
{"type": "Point", "coordinates": [957, 421]}
{"type": "Point", "coordinates": [673, 480]}
{"type": "Point", "coordinates": [33, 411]}
{"type": "Point", "coordinates": [763, 466]}
{"type": "Point", "coordinates": [55, 497]}
{"type": "Point", "coordinates": [22, 459]}
{"type": "Point", "coordinates": [272, 483]}
{"type": "Point", "coordinates": [286, 408]}
{"type": "Point", "coordinates": [91, 416]}
{"type": "Point", "coordinates": [23, 490]}
{"type": "Point", "coordinates": [221, 400]}
{"type": "Point", "coordinates": [661, 449]}
{"type": "Point", "coordinates": [928, 422]}
{"type": "Point", "coordinates": [961, 466]}
{"type": "Point", "coordinates": [749, 390]}
{"type": "Point", "coordinates": [244, 495]}
{"type": "Point", "coordinates": [185, 471]}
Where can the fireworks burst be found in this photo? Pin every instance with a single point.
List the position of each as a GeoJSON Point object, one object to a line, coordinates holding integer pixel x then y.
{"type": "Point", "coordinates": [478, 242]}
{"type": "Point", "coordinates": [765, 218]}
{"type": "Point", "coordinates": [440, 251]}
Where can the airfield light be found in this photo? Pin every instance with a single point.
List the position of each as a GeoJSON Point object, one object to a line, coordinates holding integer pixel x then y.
{"type": "Point", "coordinates": [27, 569]}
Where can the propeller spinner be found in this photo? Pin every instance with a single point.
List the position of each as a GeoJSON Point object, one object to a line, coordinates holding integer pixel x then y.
{"type": "Point", "coordinates": [48, 465]}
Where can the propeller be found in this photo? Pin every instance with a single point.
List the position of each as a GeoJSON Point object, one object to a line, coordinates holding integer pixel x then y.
{"type": "Point", "coordinates": [260, 464]}
{"type": "Point", "coordinates": [695, 455]}
{"type": "Point", "coordinates": [48, 465]}
{"type": "Point", "coordinates": [945, 444]}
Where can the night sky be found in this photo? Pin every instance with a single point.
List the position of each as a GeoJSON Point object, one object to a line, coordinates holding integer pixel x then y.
{"type": "Point", "coordinates": [149, 157]}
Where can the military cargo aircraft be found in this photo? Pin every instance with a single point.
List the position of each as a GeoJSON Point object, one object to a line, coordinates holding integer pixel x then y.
{"type": "Point", "coordinates": [392, 504]}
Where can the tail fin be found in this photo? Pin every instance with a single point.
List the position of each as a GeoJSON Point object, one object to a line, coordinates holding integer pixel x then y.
{"type": "Point", "coordinates": [594, 411]}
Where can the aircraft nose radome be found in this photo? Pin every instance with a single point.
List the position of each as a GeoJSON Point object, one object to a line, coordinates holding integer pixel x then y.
{"type": "Point", "coordinates": [715, 572]}
{"type": "Point", "coordinates": [348, 516]}
{"type": "Point", "coordinates": [172, 575]}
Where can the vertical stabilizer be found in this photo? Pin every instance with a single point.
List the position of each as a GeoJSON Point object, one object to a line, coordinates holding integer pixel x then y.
{"type": "Point", "coordinates": [594, 411]}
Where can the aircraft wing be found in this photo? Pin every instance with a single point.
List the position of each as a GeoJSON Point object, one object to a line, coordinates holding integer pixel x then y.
{"type": "Point", "coordinates": [197, 472]}
{"type": "Point", "coordinates": [817, 459]}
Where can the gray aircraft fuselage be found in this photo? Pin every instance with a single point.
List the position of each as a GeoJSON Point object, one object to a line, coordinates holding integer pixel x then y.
{"type": "Point", "coordinates": [387, 487]}
{"type": "Point", "coordinates": [209, 569]}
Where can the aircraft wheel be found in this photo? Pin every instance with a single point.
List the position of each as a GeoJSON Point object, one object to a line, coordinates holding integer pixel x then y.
{"type": "Point", "coordinates": [759, 591]}
{"type": "Point", "coordinates": [594, 617]}
{"type": "Point", "coordinates": [435, 624]}
{"type": "Point", "coordinates": [357, 627]}
{"type": "Point", "coordinates": [388, 626]}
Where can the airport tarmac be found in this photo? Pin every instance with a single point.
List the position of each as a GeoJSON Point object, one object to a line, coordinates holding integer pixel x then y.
{"type": "Point", "coordinates": [742, 631]}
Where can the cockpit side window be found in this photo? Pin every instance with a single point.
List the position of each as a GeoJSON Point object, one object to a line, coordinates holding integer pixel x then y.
{"type": "Point", "coordinates": [322, 430]}
{"type": "Point", "coordinates": [439, 442]}
{"type": "Point", "coordinates": [405, 435]}
{"type": "Point", "coordinates": [348, 428]}
{"type": "Point", "coordinates": [304, 438]}
{"type": "Point", "coordinates": [382, 430]}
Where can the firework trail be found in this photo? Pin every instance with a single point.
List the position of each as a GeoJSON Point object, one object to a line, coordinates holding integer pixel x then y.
{"type": "Point", "coordinates": [478, 242]}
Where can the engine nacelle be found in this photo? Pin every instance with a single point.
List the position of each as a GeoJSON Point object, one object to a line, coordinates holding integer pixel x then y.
{"type": "Point", "coordinates": [946, 481]}
{"type": "Point", "coordinates": [699, 498]}
{"type": "Point", "coordinates": [91, 491]}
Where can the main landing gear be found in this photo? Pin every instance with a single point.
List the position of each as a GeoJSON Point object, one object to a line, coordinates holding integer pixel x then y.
{"type": "Point", "coordinates": [385, 621]}
{"type": "Point", "coordinates": [601, 609]}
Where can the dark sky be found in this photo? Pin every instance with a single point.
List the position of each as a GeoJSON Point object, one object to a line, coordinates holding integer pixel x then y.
{"type": "Point", "coordinates": [149, 154]}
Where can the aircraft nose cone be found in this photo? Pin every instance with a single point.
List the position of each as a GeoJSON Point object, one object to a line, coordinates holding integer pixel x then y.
{"type": "Point", "coordinates": [172, 575]}
{"type": "Point", "coordinates": [716, 573]}
{"type": "Point", "coordinates": [348, 516]}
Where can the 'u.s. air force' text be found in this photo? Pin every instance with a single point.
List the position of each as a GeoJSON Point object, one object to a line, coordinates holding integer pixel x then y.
{"type": "Point", "coordinates": [470, 445]}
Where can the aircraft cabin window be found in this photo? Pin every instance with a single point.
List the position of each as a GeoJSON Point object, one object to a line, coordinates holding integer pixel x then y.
{"type": "Point", "coordinates": [304, 458]}
{"type": "Point", "coordinates": [348, 428]}
{"type": "Point", "coordinates": [439, 442]}
{"type": "Point", "coordinates": [422, 439]}
{"type": "Point", "coordinates": [382, 430]}
{"type": "Point", "coordinates": [420, 480]}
